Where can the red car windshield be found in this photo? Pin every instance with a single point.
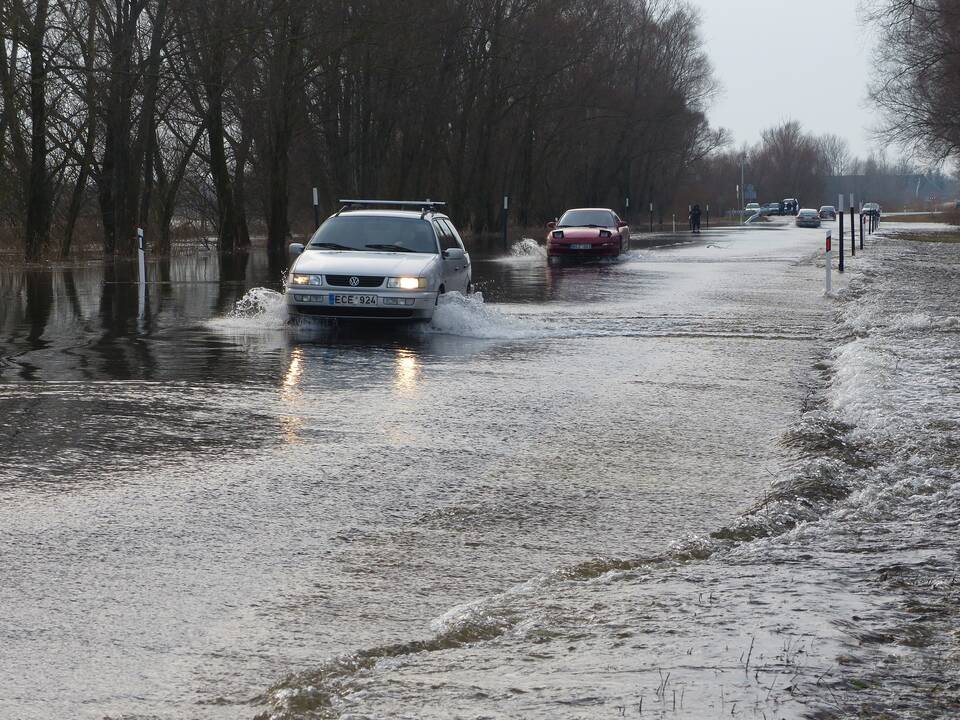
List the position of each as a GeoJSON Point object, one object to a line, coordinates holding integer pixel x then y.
{"type": "Point", "coordinates": [587, 218]}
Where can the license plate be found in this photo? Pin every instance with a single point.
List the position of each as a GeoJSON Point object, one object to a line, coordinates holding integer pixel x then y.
{"type": "Point", "coordinates": [337, 299]}
{"type": "Point", "coordinates": [581, 246]}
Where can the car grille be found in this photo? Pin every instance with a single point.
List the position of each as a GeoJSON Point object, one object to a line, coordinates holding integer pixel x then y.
{"type": "Point", "coordinates": [363, 281]}
{"type": "Point", "coordinates": [354, 312]}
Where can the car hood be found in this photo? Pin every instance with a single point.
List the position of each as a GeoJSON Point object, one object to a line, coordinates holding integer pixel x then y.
{"type": "Point", "coordinates": [388, 264]}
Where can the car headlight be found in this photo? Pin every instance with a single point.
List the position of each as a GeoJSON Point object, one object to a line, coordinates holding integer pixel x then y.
{"type": "Point", "coordinates": [299, 279]}
{"type": "Point", "coordinates": [407, 283]}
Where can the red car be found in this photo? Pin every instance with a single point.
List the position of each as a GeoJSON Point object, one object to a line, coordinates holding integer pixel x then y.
{"type": "Point", "coordinates": [587, 233]}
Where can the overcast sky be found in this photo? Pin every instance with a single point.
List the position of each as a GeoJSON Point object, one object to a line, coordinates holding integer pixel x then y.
{"type": "Point", "coordinates": [786, 59]}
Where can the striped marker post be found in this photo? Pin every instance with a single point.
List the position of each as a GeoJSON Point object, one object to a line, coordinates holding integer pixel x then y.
{"type": "Point", "coordinates": [828, 255]}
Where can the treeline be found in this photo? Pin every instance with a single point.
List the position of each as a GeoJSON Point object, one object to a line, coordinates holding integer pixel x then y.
{"type": "Point", "coordinates": [134, 110]}
{"type": "Point", "coordinates": [786, 161]}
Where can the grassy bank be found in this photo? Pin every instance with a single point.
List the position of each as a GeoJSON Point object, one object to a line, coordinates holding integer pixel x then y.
{"type": "Point", "coordinates": [949, 217]}
{"type": "Point", "coordinates": [938, 237]}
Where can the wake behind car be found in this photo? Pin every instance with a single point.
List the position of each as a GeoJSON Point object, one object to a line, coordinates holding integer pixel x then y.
{"type": "Point", "coordinates": [378, 264]}
{"type": "Point", "coordinates": [808, 217]}
{"type": "Point", "coordinates": [587, 233]}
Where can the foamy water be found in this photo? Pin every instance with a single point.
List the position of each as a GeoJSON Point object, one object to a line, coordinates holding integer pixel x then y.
{"type": "Point", "coordinates": [461, 315]}
{"type": "Point", "coordinates": [259, 309]}
{"type": "Point", "coordinates": [526, 248]}
{"type": "Point", "coordinates": [469, 316]}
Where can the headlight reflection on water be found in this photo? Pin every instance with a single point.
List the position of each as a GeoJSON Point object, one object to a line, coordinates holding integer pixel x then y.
{"type": "Point", "coordinates": [291, 426]}
{"type": "Point", "coordinates": [406, 372]}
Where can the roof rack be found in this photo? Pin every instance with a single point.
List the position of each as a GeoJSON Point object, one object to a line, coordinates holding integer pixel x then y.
{"type": "Point", "coordinates": [424, 206]}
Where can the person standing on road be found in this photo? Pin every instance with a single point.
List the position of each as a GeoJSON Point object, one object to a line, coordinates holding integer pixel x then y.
{"type": "Point", "coordinates": [695, 218]}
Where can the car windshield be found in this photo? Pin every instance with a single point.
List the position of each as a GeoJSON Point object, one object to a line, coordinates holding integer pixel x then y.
{"type": "Point", "coordinates": [375, 233]}
{"type": "Point", "coordinates": [587, 218]}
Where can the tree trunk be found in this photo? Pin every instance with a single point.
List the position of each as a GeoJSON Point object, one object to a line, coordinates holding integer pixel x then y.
{"type": "Point", "coordinates": [38, 187]}
{"type": "Point", "coordinates": [86, 160]}
{"type": "Point", "coordinates": [228, 222]}
{"type": "Point", "coordinates": [280, 129]}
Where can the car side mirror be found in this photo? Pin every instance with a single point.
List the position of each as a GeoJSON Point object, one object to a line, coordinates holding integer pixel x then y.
{"type": "Point", "coordinates": [296, 248]}
{"type": "Point", "coordinates": [454, 254]}
{"type": "Point", "coordinates": [621, 224]}
{"type": "Point", "coordinates": [551, 225]}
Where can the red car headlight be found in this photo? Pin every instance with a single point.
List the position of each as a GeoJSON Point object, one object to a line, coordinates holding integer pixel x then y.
{"type": "Point", "coordinates": [557, 234]}
{"type": "Point", "coordinates": [606, 234]}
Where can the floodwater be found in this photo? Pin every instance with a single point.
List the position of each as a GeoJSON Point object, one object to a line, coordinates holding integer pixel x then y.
{"type": "Point", "coordinates": [683, 484]}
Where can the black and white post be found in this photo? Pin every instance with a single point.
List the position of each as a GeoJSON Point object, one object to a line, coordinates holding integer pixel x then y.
{"type": "Point", "coordinates": [828, 256]}
{"type": "Point", "coordinates": [506, 209]}
{"type": "Point", "coordinates": [840, 216]}
{"type": "Point", "coordinates": [141, 273]}
{"type": "Point", "coordinates": [853, 228]}
{"type": "Point", "coordinates": [651, 217]}
{"type": "Point", "coordinates": [707, 223]}
{"type": "Point", "coordinates": [316, 209]}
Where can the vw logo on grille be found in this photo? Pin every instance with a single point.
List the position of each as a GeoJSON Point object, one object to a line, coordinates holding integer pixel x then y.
{"type": "Point", "coordinates": [354, 281]}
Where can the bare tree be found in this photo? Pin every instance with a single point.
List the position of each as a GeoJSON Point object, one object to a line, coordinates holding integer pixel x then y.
{"type": "Point", "coordinates": [919, 71]}
{"type": "Point", "coordinates": [836, 153]}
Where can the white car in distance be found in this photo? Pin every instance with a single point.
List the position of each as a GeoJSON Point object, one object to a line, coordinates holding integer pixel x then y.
{"type": "Point", "coordinates": [378, 264]}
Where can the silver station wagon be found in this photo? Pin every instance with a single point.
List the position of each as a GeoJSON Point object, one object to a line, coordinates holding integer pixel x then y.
{"type": "Point", "coordinates": [378, 264]}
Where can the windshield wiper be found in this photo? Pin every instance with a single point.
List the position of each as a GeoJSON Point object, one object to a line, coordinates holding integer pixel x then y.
{"type": "Point", "coordinates": [391, 248]}
{"type": "Point", "coordinates": [331, 246]}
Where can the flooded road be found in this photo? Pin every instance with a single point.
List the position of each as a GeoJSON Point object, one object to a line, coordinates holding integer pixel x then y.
{"type": "Point", "coordinates": [683, 483]}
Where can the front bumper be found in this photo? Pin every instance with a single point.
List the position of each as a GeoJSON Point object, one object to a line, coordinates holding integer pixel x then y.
{"type": "Point", "coordinates": [607, 248]}
{"type": "Point", "coordinates": [389, 305]}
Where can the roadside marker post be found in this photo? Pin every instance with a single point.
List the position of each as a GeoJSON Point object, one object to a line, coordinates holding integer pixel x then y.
{"type": "Point", "coordinates": [840, 214]}
{"type": "Point", "coordinates": [316, 209]}
{"type": "Point", "coordinates": [674, 222]}
{"type": "Point", "coordinates": [861, 231]}
{"type": "Point", "coordinates": [141, 256]}
{"type": "Point", "coordinates": [707, 224]}
{"type": "Point", "coordinates": [142, 273]}
{"type": "Point", "coordinates": [506, 209]}
{"type": "Point", "coordinates": [828, 255]}
{"type": "Point", "coordinates": [853, 229]}
{"type": "Point", "coordinates": [626, 208]}
{"type": "Point", "coordinates": [651, 217]}
{"type": "Point", "coordinates": [690, 217]}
